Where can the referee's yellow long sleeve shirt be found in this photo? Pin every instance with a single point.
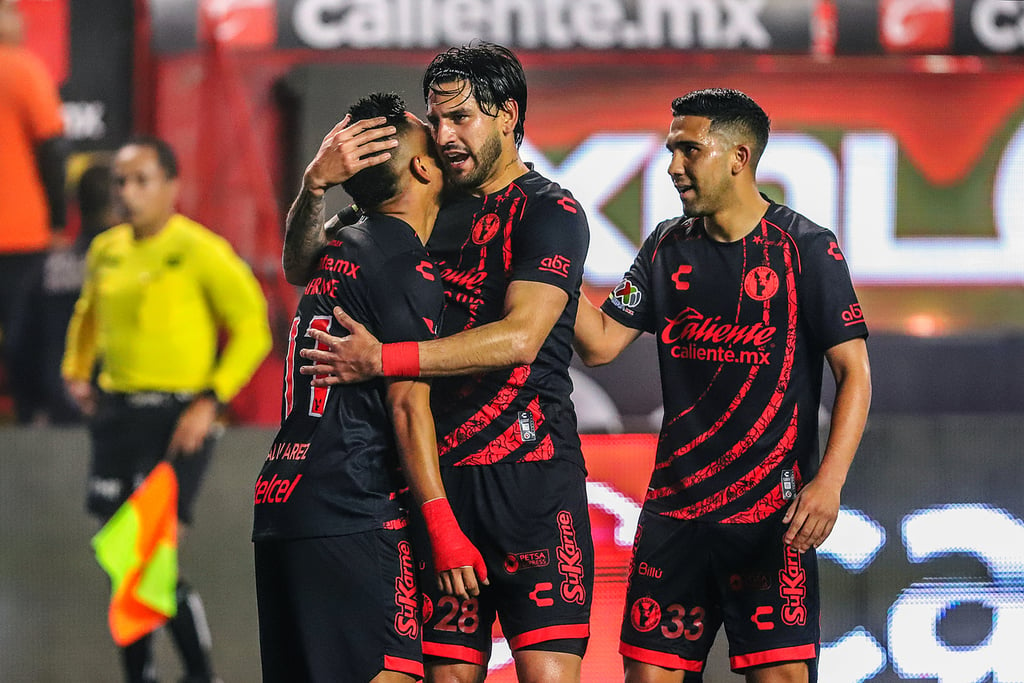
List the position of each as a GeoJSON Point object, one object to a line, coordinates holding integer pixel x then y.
{"type": "Point", "coordinates": [151, 310]}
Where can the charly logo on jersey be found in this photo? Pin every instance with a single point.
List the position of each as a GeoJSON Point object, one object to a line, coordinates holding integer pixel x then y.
{"type": "Point", "coordinates": [761, 283]}
{"type": "Point", "coordinates": [486, 228]}
{"type": "Point", "coordinates": [626, 296]}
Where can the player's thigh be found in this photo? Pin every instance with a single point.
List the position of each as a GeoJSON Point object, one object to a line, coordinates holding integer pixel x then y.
{"type": "Point", "coordinates": [770, 595]}
{"type": "Point", "coordinates": [345, 606]}
{"type": "Point", "coordinates": [790, 672]}
{"type": "Point", "coordinates": [672, 610]}
{"type": "Point", "coordinates": [542, 666]}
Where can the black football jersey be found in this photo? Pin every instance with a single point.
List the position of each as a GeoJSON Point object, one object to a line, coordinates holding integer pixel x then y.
{"type": "Point", "coordinates": [741, 331]}
{"type": "Point", "coordinates": [333, 468]}
{"type": "Point", "coordinates": [531, 230]}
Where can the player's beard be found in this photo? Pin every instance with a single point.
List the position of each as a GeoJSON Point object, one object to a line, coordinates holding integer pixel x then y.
{"type": "Point", "coordinates": [484, 161]}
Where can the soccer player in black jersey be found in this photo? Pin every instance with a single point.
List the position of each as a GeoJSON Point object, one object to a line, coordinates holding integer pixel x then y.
{"type": "Point", "coordinates": [509, 246]}
{"type": "Point", "coordinates": [335, 570]}
{"type": "Point", "coordinates": [747, 299]}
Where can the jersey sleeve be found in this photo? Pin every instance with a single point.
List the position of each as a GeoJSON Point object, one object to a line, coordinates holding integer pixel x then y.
{"type": "Point", "coordinates": [830, 305]}
{"type": "Point", "coordinates": [80, 341]}
{"type": "Point", "coordinates": [407, 299]}
{"type": "Point", "coordinates": [240, 307]}
{"type": "Point", "coordinates": [41, 101]}
{"type": "Point", "coordinates": [550, 244]}
{"type": "Point", "coordinates": [630, 302]}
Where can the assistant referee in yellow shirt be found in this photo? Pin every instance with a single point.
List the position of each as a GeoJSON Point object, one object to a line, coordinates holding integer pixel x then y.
{"type": "Point", "coordinates": [159, 289]}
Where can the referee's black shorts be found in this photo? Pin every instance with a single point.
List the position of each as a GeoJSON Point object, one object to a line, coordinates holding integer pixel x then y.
{"type": "Point", "coordinates": [130, 434]}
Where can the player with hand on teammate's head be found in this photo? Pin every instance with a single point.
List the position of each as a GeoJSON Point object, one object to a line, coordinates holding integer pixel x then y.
{"type": "Point", "coordinates": [331, 539]}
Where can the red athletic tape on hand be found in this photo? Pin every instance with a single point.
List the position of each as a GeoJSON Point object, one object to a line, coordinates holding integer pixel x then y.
{"type": "Point", "coordinates": [451, 547]}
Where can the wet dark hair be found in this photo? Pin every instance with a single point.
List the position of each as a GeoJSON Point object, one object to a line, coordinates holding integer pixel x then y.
{"type": "Point", "coordinates": [165, 156]}
{"type": "Point", "coordinates": [375, 185]}
{"type": "Point", "coordinates": [731, 110]}
{"type": "Point", "coordinates": [493, 72]}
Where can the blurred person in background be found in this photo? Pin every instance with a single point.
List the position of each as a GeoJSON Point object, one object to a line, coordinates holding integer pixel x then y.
{"type": "Point", "coordinates": [748, 299]}
{"type": "Point", "coordinates": [158, 290]}
{"type": "Point", "coordinates": [60, 285]}
{"type": "Point", "coordinates": [32, 158]}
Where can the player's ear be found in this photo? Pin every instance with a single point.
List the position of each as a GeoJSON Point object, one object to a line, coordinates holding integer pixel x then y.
{"type": "Point", "coordinates": [509, 115]}
{"type": "Point", "coordinates": [741, 156]}
{"type": "Point", "coordinates": [418, 167]}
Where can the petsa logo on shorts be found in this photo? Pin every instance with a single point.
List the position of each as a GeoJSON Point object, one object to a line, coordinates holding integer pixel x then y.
{"type": "Point", "coordinates": [515, 562]}
{"type": "Point", "coordinates": [406, 597]}
{"type": "Point", "coordinates": [570, 560]}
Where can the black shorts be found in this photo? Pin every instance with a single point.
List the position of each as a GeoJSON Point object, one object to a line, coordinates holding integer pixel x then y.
{"type": "Point", "coordinates": [687, 578]}
{"type": "Point", "coordinates": [130, 434]}
{"type": "Point", "coordinates": [531, 523]}
{"type": "Point", "coordinates": [339, 608]}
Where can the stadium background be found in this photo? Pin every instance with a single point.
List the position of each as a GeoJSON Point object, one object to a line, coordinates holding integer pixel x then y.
{"type": "Point", "coordinates": [898, 123]}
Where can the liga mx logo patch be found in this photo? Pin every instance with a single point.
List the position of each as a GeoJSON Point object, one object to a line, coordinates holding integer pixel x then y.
{"type": "Point", "coordinates": [626, 296]}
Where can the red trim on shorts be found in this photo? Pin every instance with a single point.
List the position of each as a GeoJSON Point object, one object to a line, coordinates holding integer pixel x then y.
{"type": "Point", "coordinates": [459, 652]}
{"type": "Point", "coordinates": [797, 653]}
{"type": "Point", "coordinates": [402, 665]}
{"type": "Point", "coordinates": [541, 635]}
{"type": "Point", "coordinates": [662, 659]}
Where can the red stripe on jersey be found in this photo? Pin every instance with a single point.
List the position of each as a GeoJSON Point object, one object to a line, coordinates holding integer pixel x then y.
{"type": "Point", "coordinates": [289, 368]}
{"type": "Point", "coordinates": [766, 507]}
{"type": "Point", "coordinates": [742, 485]}
{"type": "Point", "coordinates": [456, 652]}
{"type": "Point", "coordinates": [509, 440]}
{"type": "Point", "coordinates": [515, 214]}
{"type": "Point", "coordinates": [545, 451]}
{"type": "Point", "coordinates": [662, 659]}
{"type": "Point", "coordinates": [796, 653]}
{"type": "Point", "coordinates": [405, 666]}
{"type": "Point", "coordinates": [488, 413]}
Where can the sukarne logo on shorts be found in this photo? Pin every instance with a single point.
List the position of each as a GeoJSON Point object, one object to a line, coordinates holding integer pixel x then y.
{"type": "Point", "coordinates": [570, 561]}
{"type": "Point", "coordinates": [406, 597]}
{"type": "Point", "coordinates": [793, 589]}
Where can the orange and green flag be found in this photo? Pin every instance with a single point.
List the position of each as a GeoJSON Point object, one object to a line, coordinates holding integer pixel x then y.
{"type": "Point", "coordinates": [138, 548]}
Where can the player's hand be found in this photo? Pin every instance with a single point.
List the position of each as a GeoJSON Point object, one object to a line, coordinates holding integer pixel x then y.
{"type": "Point", "coordinates": [341, 154]}
{"type": "Point", "coordinates": [83, 394]}
{"type": "Point", "coordinates": [462, 582]}
{"type": "Point", "coordinates": [193, 427]}
{"type": "Point", "coordinates": [460, 567]}
{"type": "Point", "coordinates": [812, 514]}
{"type": "Point", "coordinates": [342, 360]}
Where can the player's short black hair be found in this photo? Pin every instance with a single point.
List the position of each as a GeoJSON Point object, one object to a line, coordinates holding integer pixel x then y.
{"type": "Point", "coordinates": [165, 155]}
{"type": "Point", "coordinates": [728, 109]}
{"type": "Point", "coordinates": [375, 185]}
{"type": "Point", "coordinates": [493, 72]}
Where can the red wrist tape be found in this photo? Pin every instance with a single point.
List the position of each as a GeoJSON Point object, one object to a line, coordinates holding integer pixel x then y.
{"type": "Point", "coordinates": [451, 548]}
{"type": "Point", "coordinates": [400, 359]}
